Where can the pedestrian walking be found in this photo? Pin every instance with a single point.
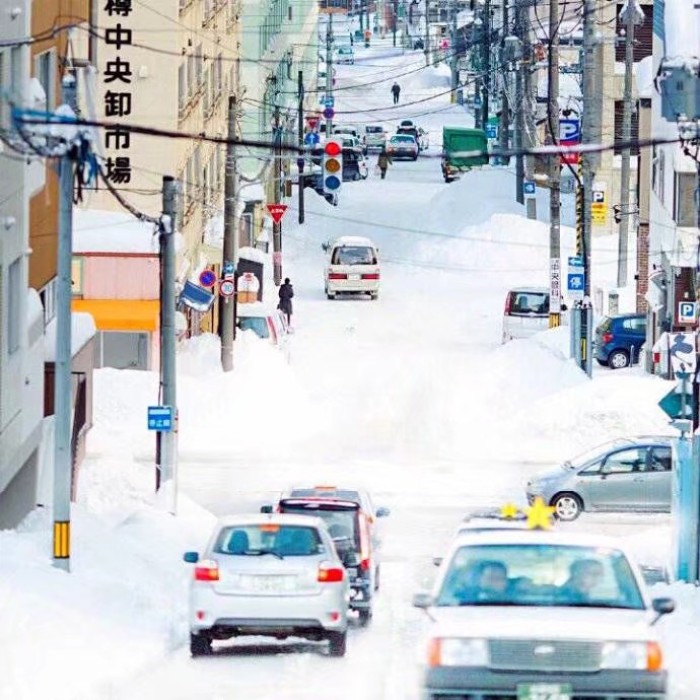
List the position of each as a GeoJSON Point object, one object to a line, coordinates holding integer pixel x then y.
{"type": "Point", "coordinates": [286, 294]}
{"type": "Point", "coordinates": [383, 162]}
{"type": "Point", "coordinates": [396, 91]}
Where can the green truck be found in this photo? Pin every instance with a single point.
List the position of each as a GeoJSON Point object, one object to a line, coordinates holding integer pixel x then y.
{"type": "Point", "coordinates": [458, 140]}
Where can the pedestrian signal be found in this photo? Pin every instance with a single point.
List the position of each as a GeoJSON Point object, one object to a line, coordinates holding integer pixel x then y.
{"type": "Point", "coordinates": [332, 165]}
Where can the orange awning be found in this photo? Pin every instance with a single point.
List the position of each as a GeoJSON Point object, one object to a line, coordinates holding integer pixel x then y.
{"type": "Point", "coordinates": [121, 314]}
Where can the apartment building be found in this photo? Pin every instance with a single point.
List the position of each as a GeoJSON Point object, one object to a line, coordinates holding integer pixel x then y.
{"type": "Point", "coordinates": [21, 318]}
{"type": "Point", "coordinates": [673, 206]}
{"type": "Point", "coordinates": [280, 38]}
{"type": "Point", "coordinates": [169, 66]}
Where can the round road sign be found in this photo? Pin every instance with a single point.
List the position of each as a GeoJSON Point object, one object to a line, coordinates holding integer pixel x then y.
{"type": "Point", "coordinates": [227, 288]}
{"type": "Point", "coordinates": [328, 113]}
{"type": "Point", "coordinates": [207, 278]}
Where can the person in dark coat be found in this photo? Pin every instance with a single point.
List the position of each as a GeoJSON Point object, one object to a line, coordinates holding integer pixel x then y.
{"type": "Point", "coordinates": [396, 91]}
{"type": "Point", "coordinates": [286, 294]}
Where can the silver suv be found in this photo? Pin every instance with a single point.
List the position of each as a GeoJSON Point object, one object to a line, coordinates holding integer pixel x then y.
{"type": "Point", "coordinates": [272, 575]}
{"type": "Point", "coordinates": [374, 137]}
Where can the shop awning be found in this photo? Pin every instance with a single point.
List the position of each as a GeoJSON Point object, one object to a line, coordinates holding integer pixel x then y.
{"type": "Point", "coordinates": [121, 314]}
{"type": "Point", "coordinates": [196, 297]}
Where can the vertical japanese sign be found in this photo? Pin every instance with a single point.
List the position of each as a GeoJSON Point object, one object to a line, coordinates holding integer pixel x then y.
{"type": "Point", "coordinates": [117, 77]}
{"type": "Point", "coordinates": [555, 285]}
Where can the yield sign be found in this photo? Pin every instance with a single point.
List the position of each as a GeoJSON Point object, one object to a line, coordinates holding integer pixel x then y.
{"type": "Point", "coordinates": [277, 211]}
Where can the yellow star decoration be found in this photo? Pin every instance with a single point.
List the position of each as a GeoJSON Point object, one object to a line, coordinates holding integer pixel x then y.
{"type": "Point", "coordinates": [539, 515]}
{"type": "Point", "coordinates": [509, 511]}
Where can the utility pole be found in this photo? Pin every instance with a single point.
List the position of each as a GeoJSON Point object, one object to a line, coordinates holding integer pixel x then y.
{"type": "Point", "coordinates": [554, 169]}
{"type": "Point", "coordinates": [630, 17]}
{"type": "Point", "coordinates": [587, 160]}
{"type": "Point", "coordinates": [519, 131]}
{"type": "Point", "coordinates": [329, 70]}
{"type": "Point", "coordinates": [486, 48]}
{"type": "Point", "coordinates": [63, 406]}
{"type": "Point", "coordinates": [300, 160]}
{"type": "Point", "coordinates": [453, 48]}
{"type": "Point", "coordinates": [277, 226]}
{"type": "Point", "coordinates": [427, 33]}
{"type": "Point", "coordinates": [505, 109]}
{"type": "Point", "coordinates": [227, 305]}
{"type": "Point", "coordinates": [168, 377]}
{"type": "Point", "coordinates": [395, 22]}
{"type": "Point", "coordinates": [528, 110]}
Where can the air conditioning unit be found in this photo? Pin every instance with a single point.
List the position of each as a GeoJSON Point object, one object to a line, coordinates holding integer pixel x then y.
{"type": "Point", "coordinates": [679, 84]}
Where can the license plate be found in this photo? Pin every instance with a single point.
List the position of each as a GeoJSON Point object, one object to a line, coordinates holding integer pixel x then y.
{"type": "Point", "coordinates": [270, 584]}
{"type": "Point", "coordinates": [352, 573]}
{"type": "Point", "coordinates": [544, 691]}
{"type": "Point", "coordinates": [354, 278]}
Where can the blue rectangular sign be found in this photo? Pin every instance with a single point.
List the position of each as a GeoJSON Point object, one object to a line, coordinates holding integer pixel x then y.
{"type": "Point", "coordinates": [160, 418]}
{"type": "Point", "coordinates": [574, 283]}
{"type": "Point", "coordinates": [491, 131]}
{"type": "Point", "coordinates": [570, 130]}
{"type": "Point", "coordinates": [329, 102]}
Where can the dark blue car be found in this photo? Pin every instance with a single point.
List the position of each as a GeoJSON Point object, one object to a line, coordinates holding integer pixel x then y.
{"type": "Point", "coordinates": [618, 339]}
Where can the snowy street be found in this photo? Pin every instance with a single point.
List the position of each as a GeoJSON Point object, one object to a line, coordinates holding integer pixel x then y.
{"type": "Point", "coordinates": [412, 396]}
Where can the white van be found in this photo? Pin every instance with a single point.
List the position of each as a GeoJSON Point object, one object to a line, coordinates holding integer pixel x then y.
{"type": "Point", "coordinates": [353, 267]}
{"type": "Point", "coordinates": [526, 312]}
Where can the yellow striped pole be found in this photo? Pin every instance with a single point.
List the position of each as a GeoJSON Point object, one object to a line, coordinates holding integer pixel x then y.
{"type": "Point", "coordinates": [61, 539]}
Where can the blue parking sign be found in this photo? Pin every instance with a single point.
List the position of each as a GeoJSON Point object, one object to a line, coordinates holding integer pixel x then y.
{"type": "Point", "coordinates": [160, 418]}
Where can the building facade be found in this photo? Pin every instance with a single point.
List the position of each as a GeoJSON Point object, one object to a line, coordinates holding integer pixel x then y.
{"type": "Point", "coordinates": [21, 318]}
{"type": "Point", "coordinates": [170, 66]}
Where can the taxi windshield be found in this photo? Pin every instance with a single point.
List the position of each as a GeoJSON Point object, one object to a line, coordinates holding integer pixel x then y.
{"type": "Point", "coordinates": [540, 575]}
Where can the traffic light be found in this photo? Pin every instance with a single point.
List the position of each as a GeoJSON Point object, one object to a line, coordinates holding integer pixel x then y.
{"type": "Point", "coordinates": [332, 166]}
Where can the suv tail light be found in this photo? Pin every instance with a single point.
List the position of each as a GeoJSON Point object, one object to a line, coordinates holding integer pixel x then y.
{"type": "Point", "coordinates": [509, 304]}
{"type": "Point", "coordinates": [370, 276]}
{"type": "Point", "coordinates": [337, 276]}
{"type": "Point", "coordinates": [206, 570]}
{"type": "Point", "coordinates": [607, 337]}
{"type": "Point", "coordinates": [364, 543]}
{"type": "Point", "coordinates": [330, 574]}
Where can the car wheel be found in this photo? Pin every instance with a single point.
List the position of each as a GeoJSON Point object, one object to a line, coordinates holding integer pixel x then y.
{"type": "Point", "coordinates": [415, 157]}
{"type": "Point", "coordinates": [618, 359]}
{"type": "Point", "coordinates": [567, 506]}
{"type": "Point", "coordinates": [330, 296]}
{"type": "Point", "coordinates": [364, 617]}
{"type": "Point", "coordinates": [374, 296]}
{"type": "Point", "coordinates": [602, 363]}
{"type": "Point", "coordinates": [376, 579]}
{"type": "Point", "coordinates": [337, 643]}
{"type": "Point", "coordinates": [199, 645]}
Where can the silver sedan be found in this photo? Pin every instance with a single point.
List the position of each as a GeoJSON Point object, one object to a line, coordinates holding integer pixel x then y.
{"type": "Point", "coordinates": [628, 474]}
{"type": "Point", "coordinates": [273, 575]}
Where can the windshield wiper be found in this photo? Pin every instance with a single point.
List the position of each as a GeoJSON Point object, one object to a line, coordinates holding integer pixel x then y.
{"type": "Point", "coordinates": [494, 603]}
{"type": "Point", "coordinates": [593, 604]}
{"type": "Point", "coordinates": [260, 552]}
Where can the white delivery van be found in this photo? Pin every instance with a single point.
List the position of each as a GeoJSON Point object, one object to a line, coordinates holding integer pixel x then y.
{"type": "Point", "coordinates": [526, 312]}
{"type": "Point", "coordinates": [353, 267]}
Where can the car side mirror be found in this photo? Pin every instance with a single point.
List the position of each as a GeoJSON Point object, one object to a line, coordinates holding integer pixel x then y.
{"type": "Point", "coordinates": [382, 512]}
{"type": "Point", "coordinates": [267, 508]}
{"type": "Point", "coordinates": [326, 246]}
{"type": "Point", "coordinates": [423, 600]}
{"type": "Point", "coordinates": [191, 557]}
{"type": "Point", "coordinates": [437, 561]}
{"type": "Point", "coordinates": [662, 606]}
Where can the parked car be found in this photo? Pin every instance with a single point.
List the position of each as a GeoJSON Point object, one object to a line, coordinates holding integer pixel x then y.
{"type": "Point", "coordinates": [374, 137]}
{"type": "Point", "coordinates": [526, 312]}
{"type": "Point", "coordinates": [349, 526]}
{"type": "Point", "coordinates": [266, 323]}
{"type": "Point", "coordinates": [353, 267]}
{"type": "Point", "coordinates": [418, 134]}
{"type": "Point", "coordinates": [272, 575]}
{"type": "Point", "coordinates": [628, 474]}
{"type": "Point", "coordinates": [344, 54]}
{"type": "Point", "coordinates": [618, 340]}
{"type": "Point", "coordinates": [350, 141]}
{"type": "Point", "coordinates": [349, 129]}
{"type": "Point", "coordinates": [403, 146]}
{"type": "Point", "coordinates": [541, 615]}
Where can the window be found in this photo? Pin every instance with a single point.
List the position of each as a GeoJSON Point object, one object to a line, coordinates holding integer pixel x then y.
{"type": "Point", "coordinates": [354, 255]}
{"type": "Point", "coordinates": [191, 80]}
{"type": "Point", "coordinates": [14, 297]}
{"type": "Point", "coordinates": [182, 87]}
{"type": "Point", "coordinates": [199, 67]}
{"type": "Point", "coordinates": [45, 71]}
{"type": "Point", "coordinates": [218, 73]}
{"type": "Point", "coordinates": [635, 325]}
{"type": "Point", "coordinates": [48, 301]}
{"type": "Point", "coordinates": [3, 87]}
{"type": "Point", "coordinates": [661, 459]}
{"type": "Point", "coordinates": [283, 540]}
{"type": "Point", "coordinates": [642, 35]}
{"type": "Point", "coordinates": [685, 189]}
{"type": "Point", "coordinates": [626, 461]}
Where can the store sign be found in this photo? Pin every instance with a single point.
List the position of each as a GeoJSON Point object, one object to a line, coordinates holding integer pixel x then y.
{"type": "Point", "coordinates": [117, 99]}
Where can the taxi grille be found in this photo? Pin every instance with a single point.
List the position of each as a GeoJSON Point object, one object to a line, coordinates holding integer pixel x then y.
{"type": "Point", "coordinates": [544, 655]}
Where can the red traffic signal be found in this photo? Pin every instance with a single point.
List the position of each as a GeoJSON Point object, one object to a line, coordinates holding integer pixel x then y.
{"type": "Point", "coordinates": [332, 148]}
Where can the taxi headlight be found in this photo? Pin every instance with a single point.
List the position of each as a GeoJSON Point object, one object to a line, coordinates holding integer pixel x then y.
{"type": "Point", "coordinates": [456, 651]}
{"type": "Point", "coordinates": [631, 655]}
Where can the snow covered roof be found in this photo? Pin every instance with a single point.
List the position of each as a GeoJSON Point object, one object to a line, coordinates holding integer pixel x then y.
{"type": "Point", "coordinates": [353, 240]}
{"type": "Point", "coordinates": [248, 253]}
{"type": "Point", "coordinates": [99, 231]}
{"type": "Point", "coordinates": [252, 193]}
{"type": "Point", "coordinates": [82, 330]}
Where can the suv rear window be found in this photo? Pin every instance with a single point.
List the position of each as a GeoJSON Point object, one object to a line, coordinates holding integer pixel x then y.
{"type": "Point", "coordinates": [529, 303]}
{"type": "Point", "coordinates": [374, 129]}
{"type": "Point", "coordinates": [269, 538]}
{"type": "Point", "coordinates": [340, 521]}
{"type": "Point", "coordinates": [354, 255]}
